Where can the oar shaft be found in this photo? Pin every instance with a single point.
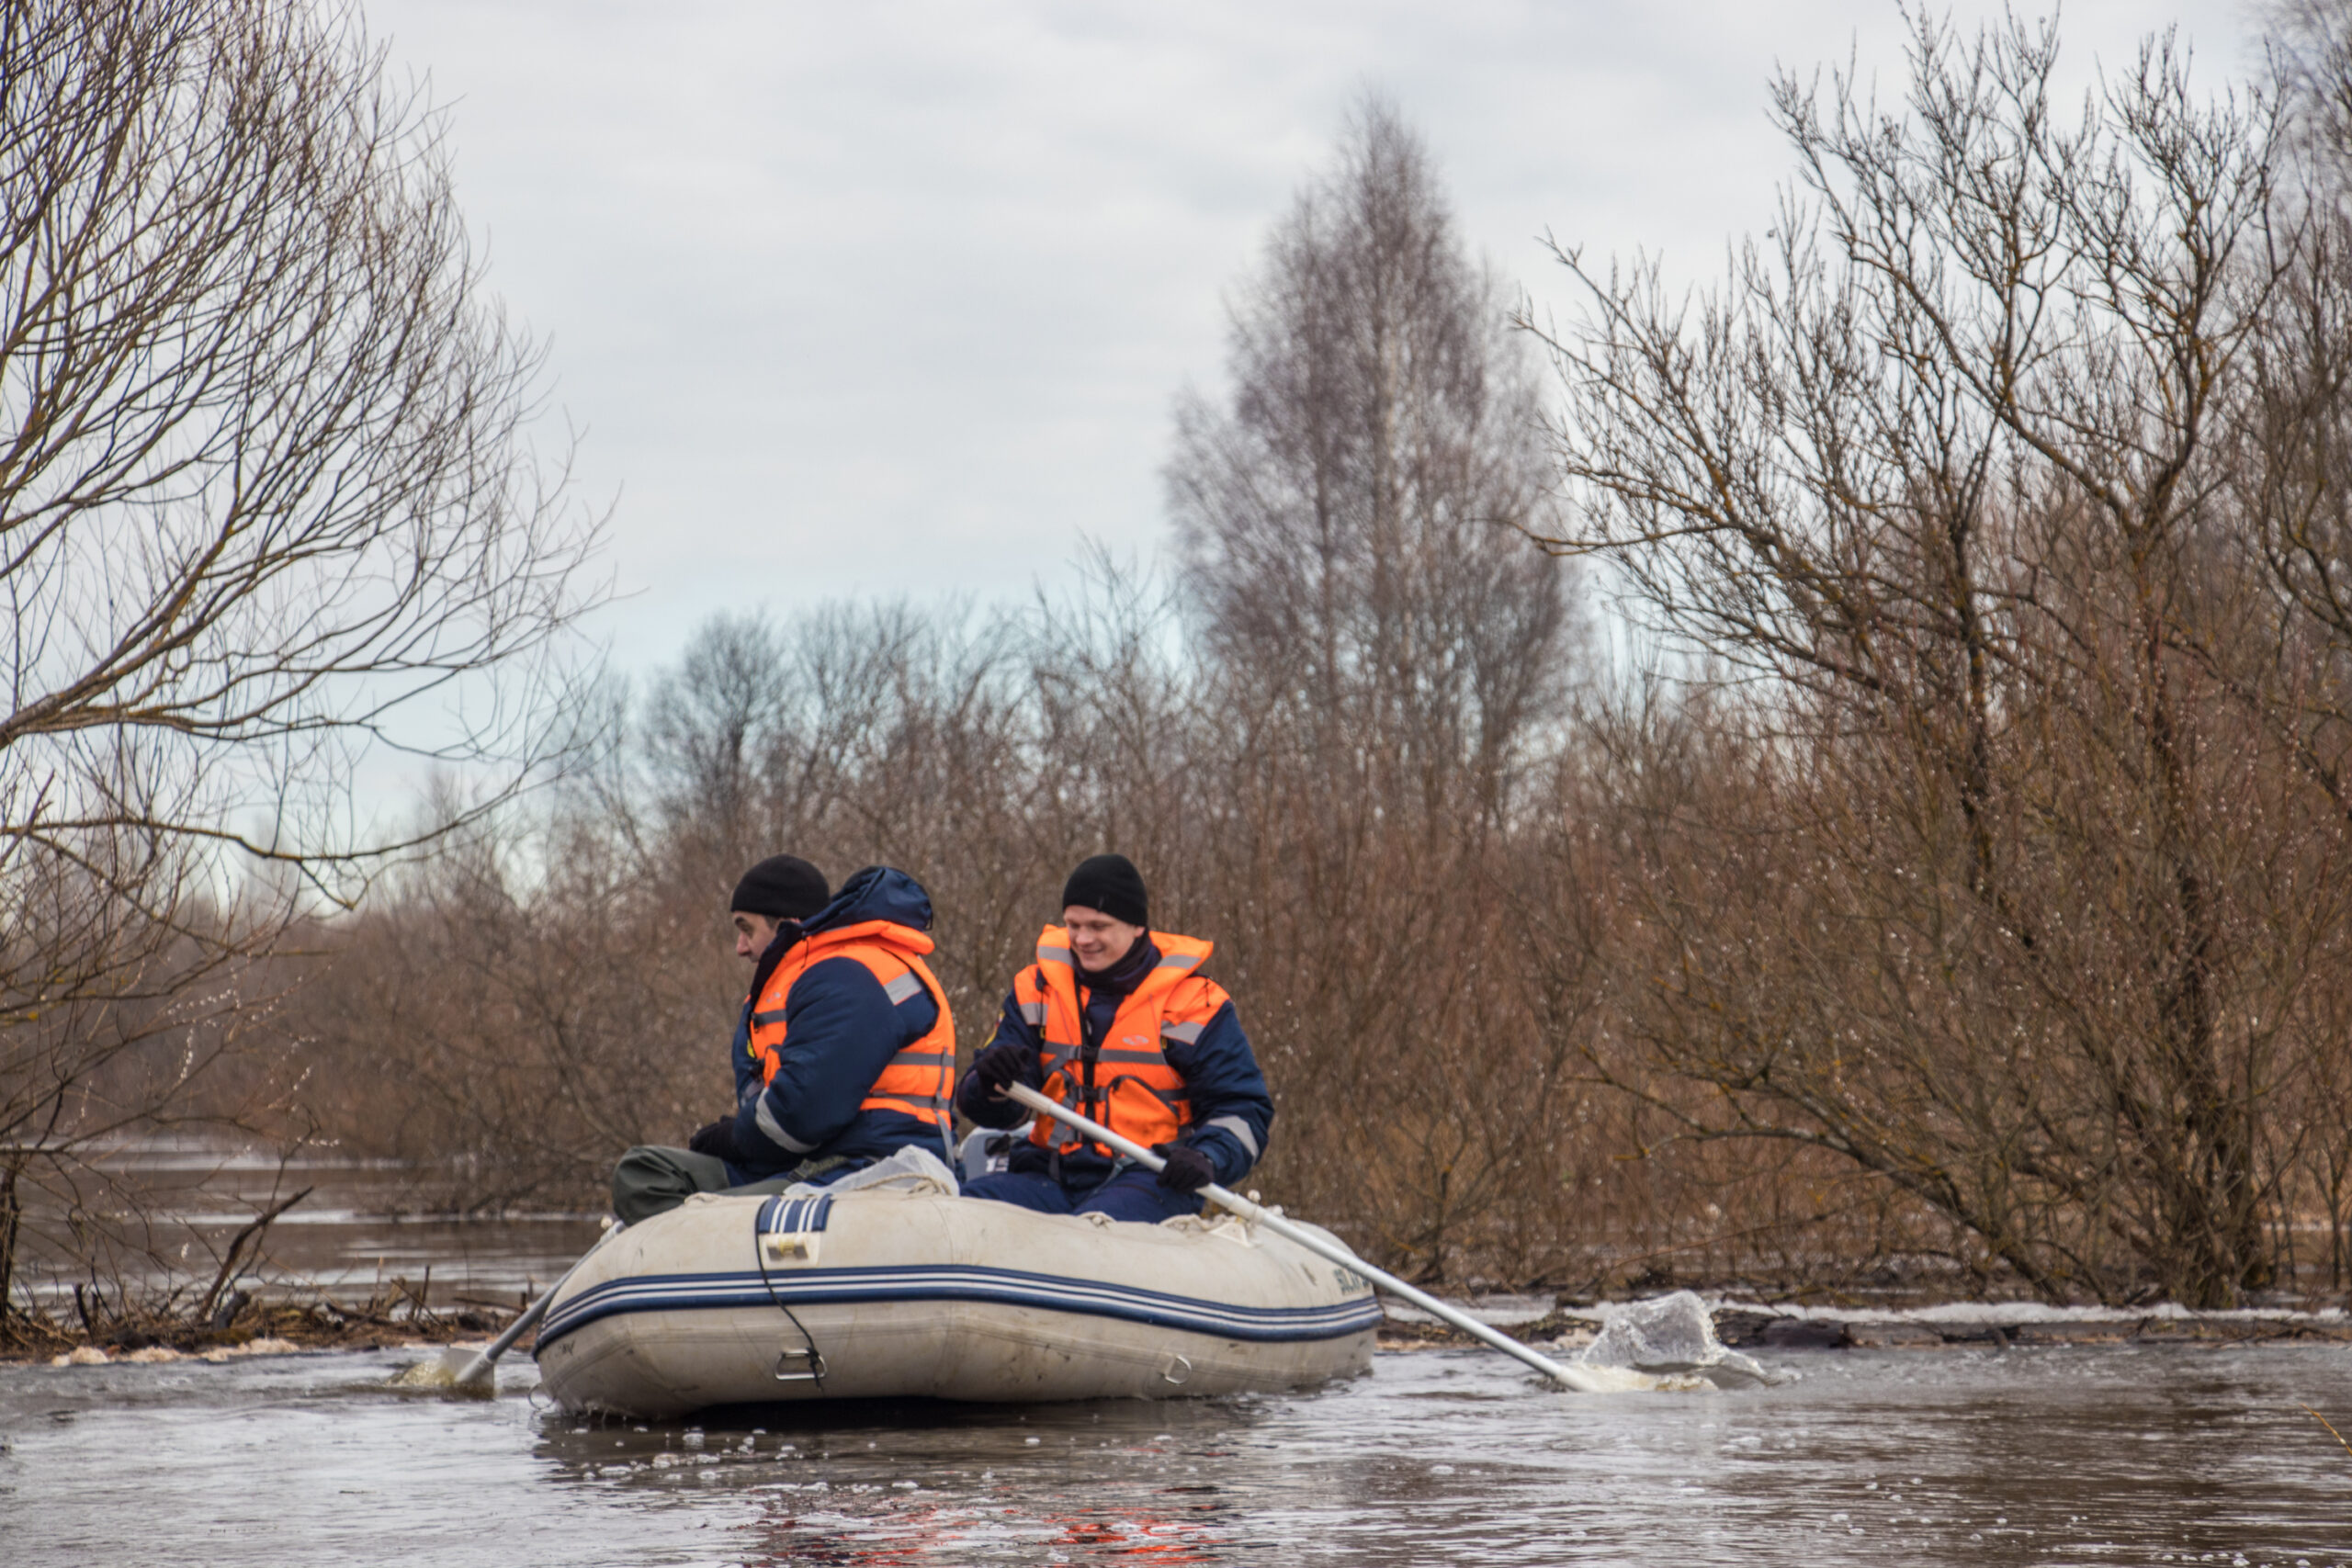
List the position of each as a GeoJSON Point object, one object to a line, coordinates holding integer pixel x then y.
{"type": "Point", "coordinates": [1332, 1251]}
{"type": "Point", "coordinates": [488, 1355]}
{"type": "Point", "coordinates": [514, 1330]}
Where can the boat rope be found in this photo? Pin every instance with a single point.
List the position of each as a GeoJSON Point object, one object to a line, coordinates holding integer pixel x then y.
{"type": "Point", "coordinates": [815, 1358]}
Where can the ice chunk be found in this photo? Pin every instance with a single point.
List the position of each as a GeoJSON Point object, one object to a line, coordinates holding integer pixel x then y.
{"type": "Point", "coordinates": [1672, 1335]}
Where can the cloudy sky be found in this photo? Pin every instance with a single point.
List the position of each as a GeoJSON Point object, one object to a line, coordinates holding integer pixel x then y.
{"type": "Point", "coordinates": [893, 299]}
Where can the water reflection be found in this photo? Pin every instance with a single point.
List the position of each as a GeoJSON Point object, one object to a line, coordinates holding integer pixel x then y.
{"type": "Point", "coordinates": [2100, 1454]}
{"type": "Point", "coordinates": [888, 1482]}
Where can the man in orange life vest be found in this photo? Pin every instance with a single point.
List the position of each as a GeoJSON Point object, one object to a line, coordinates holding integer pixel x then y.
{"type": "Point", "coordinates": [1116, 1022]}
{"type": "Point", "coordinates": [845, 1050]}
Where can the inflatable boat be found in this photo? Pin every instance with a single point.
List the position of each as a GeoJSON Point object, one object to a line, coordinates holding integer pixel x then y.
{"type": "Point", "coordinates": [900, 1289]}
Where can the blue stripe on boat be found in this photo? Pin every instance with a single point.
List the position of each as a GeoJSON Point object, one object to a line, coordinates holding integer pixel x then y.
{"type": "Point", "coordinates": [958, 1283]}
{"type": "Point", "coordinates": [785, 1216]}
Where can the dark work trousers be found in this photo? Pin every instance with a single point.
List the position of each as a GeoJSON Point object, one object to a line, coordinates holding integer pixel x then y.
{"type": "Point", "coordinates": [1130, 1195]}
{"type": "Point", "coordinates": [651, 1180]}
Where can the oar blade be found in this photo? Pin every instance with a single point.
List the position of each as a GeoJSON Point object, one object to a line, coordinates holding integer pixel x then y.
{"type": "Point", "coordinates": [461, 1370]}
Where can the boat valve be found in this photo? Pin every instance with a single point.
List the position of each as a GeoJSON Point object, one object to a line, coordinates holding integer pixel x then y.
{"type": "Point", "coordinates": [795, 1246]}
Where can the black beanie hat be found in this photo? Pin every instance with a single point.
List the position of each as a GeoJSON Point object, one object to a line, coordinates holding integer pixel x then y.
{"type": "Point", "coordinates": [783, 888]}
{"type": "Point", "coordinates": [1111, 883]}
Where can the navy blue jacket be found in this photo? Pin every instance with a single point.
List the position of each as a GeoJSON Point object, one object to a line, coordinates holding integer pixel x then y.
{"type": "Point", "coordinates": [841, 1031]}
{"type": "Point", "coordinates": [1231, 1110]}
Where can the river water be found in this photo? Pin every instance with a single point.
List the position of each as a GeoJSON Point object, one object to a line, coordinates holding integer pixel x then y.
{"type": "Point", "coordinates": [363, 1224]}
{"type": "Point", "coordinates": [2102, 1454]}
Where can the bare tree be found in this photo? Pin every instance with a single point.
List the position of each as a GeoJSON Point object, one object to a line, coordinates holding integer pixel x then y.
{"type": "Point", "coordinates": [1347, 520]}
{"type": "Point", "coordinates": [267, 507]}
{"type": "Point", "coordinates": [1387, 657]}
{"type": "Point", "coordinates": [2290, 462]}
{"type": "Point", "coordinates": [1997, 907]}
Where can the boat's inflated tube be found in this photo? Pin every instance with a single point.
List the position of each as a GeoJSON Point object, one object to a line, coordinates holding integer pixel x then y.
{"type": "Point", "coordinates": [900, 1290]}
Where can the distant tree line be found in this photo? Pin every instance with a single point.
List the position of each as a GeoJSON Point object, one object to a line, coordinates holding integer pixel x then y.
{"type": "Point", "coordinates": [1327, 738]}
{"type": "Point", "coordinates": [1946, 886]}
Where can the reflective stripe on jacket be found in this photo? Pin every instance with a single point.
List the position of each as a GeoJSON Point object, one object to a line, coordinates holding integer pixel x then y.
{"type": "Point", "coordinates": [917, 1080]}
{"type": "Point", "coordinates": [1125, 1080]}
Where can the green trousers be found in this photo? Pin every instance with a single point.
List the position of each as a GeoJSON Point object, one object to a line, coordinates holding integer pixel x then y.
{"type": "Point", "coordinates": [650, 1179]}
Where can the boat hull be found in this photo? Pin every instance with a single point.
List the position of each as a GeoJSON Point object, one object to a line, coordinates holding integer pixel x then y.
{"type": "Point", "coordinates": [888, 1295]}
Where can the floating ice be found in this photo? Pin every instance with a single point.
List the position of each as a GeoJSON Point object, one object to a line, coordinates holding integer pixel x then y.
{"type": "Point", "coordinates": [1670, 1336]}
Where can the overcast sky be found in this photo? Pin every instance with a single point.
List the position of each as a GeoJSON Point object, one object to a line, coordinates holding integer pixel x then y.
{"type": "Point", "coordinates": [893, 299]}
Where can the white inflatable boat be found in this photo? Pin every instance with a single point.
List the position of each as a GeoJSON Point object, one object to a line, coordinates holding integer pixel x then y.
{"type": "Point", "coordinates": [900, 1289]}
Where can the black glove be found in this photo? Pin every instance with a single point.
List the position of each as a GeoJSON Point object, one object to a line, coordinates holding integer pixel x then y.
{"type": "Point", "coordinates": [1001, 1066]}
{"type": "Point", "coordinates": [719, 1138]}
{"type": "Point", "coordinates": [1187, 1171]}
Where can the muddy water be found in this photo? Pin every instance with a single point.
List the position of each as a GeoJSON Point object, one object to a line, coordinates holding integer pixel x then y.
{"type": "Point", "coordinates": [2107, 1454]}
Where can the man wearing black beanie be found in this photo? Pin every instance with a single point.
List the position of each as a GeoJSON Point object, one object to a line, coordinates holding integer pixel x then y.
{"type": "Point", "coordinates": [842, 1054]}
{"type": "Point", "coordinates": [1112, 885]}
{"type": "Point", "coordinates": [781, 887]}
{"type": "Point", "coordinates": [1115, 1021]}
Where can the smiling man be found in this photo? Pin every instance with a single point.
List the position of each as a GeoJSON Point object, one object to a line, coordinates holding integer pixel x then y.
{"type": "Point", "coordinates": [1117, 1021]}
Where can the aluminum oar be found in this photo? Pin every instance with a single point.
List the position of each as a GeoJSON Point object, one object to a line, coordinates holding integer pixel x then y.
{"type": "Point", "coordinates": [1578, 1378]}
{"type": "Point", "coordinates": [473, 1371]}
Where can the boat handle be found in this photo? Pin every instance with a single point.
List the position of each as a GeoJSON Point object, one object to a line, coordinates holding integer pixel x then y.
{"type": "Point", "coordinates": [816, 1372]}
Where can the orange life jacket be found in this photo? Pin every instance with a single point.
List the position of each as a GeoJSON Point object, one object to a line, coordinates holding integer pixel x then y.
{"type": "Point", "coordinates": [1126, 1084]}
{"type": "Point", "coordinates": [919, 1079]}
